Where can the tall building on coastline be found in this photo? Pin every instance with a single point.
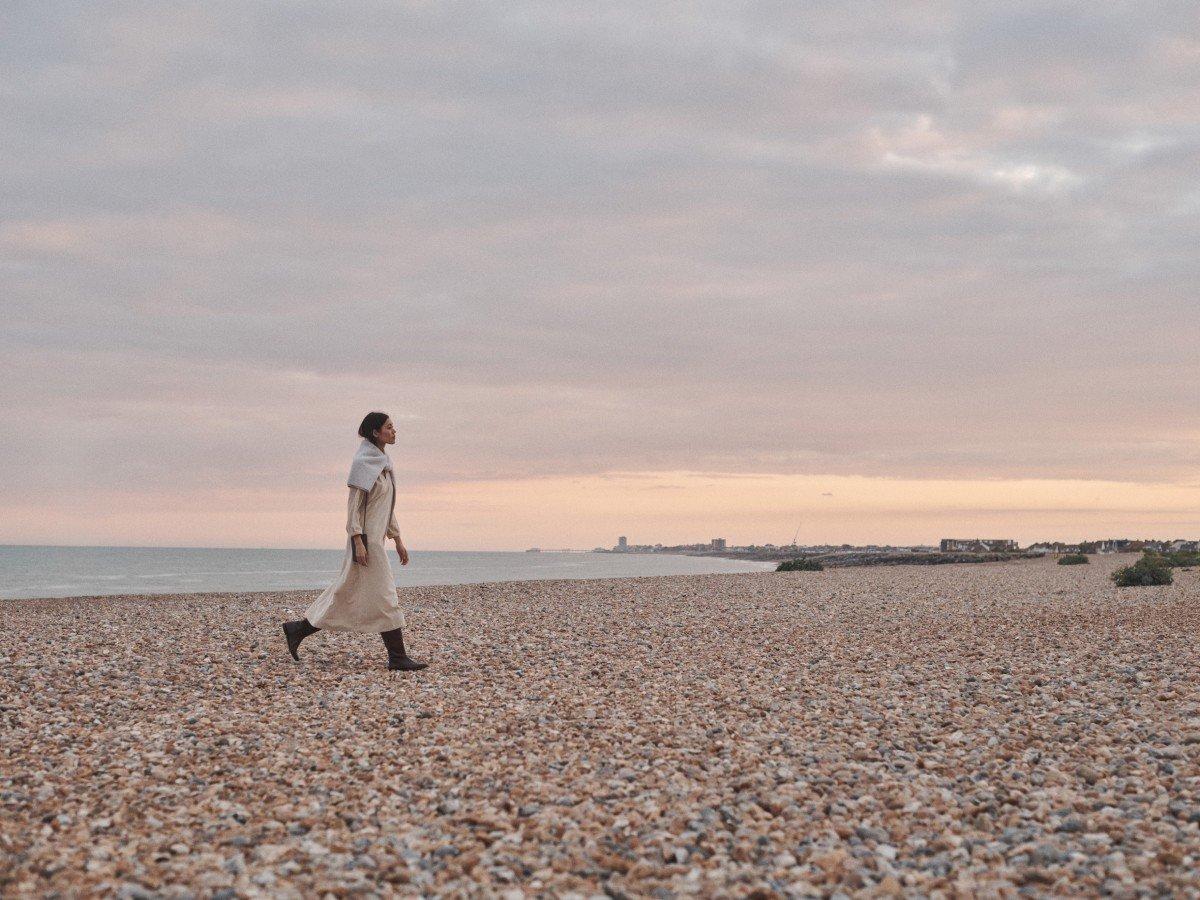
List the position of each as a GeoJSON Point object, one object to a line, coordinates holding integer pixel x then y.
{"type": "Point", "coordinates": [622, 543]}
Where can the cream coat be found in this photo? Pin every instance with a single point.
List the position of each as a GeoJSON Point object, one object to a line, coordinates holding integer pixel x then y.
{"type": "Point", "coordinates": [364, 597]}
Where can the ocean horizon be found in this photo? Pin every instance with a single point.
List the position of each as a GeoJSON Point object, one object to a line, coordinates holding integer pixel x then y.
{"type": "Point", "coordinates": [48, 571]}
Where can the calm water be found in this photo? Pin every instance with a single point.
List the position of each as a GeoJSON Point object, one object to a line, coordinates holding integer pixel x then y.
{"type": "Point", "coordinates": [87, 571]}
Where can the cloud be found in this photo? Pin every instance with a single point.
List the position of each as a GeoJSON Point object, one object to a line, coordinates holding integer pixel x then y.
{"type": "Point", "coordinates": [928, 242]}
{"type": "Point", "coordinates": [921, 147]}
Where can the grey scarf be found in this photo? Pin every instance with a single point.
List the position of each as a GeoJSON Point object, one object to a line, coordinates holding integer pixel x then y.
{"type": "Point", "coordinates": [369, 461]}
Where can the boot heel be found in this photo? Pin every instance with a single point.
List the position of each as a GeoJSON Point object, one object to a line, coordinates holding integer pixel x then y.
{"type": "Point", "coordinates": [295, 632]}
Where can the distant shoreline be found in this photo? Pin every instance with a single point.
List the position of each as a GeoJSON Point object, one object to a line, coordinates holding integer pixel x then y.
{"type": "Point", "coordinates": [844, 559]}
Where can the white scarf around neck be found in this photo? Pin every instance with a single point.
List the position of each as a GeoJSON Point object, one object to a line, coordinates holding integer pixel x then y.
{"type": "Point", "coordinates": [369, 462]}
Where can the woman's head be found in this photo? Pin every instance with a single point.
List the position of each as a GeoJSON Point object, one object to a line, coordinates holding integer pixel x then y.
{"type": "Point", "coordinates": [377, 428]}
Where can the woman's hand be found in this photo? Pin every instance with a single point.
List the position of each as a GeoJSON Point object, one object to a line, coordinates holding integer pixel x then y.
{"type": "Point", "coordinates": [360, 550]}
{"type": "Point", "coordinates": [401, 552]}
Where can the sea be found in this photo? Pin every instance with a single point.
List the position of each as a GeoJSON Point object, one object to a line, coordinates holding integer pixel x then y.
{"type": "Point", "coordinates": [43, 571]}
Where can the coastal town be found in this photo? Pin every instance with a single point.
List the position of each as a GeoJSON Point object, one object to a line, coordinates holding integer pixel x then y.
{"type": "Point", "coordinates": [946, 545]}
{"type": "Point", "coordinates": [947, 550]}
{"type": "Point", "coordinates": [721, 547]}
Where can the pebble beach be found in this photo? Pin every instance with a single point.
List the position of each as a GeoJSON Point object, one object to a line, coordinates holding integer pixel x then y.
{"type": "Point", "coordinates": [964, 730]}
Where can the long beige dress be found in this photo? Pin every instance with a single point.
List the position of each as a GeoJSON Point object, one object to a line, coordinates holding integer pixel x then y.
{"type": "Point", "coordinates": [364, 597]}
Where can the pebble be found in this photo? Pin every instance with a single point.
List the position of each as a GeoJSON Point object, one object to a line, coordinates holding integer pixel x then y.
{"type": "Point", "coordinates": [974, 730]}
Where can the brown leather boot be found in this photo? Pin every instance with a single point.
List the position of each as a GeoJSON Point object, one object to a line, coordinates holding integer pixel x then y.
{"type": "Point", "coordinates": [398, 660]}
{"type": "Point", "coordinates": [295, 632]}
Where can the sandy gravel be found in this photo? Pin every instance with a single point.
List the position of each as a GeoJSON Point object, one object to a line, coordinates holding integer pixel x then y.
{"type": "Point", "coordinates": [977, 729]}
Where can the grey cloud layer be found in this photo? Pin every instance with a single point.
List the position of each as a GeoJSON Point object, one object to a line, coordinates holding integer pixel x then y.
{"type": "Point", "coordinates": [913, 240]}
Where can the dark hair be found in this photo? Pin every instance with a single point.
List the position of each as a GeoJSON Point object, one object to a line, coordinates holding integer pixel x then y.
{"type": "Point", "coordinates": [371, 423]}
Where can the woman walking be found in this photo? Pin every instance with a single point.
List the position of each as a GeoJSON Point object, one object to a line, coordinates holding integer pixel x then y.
{"type": "Point", "coordinates": [364, 597]}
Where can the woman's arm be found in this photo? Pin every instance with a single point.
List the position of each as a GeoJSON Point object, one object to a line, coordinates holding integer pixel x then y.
{"type": "Point", "coordinates": [393, 531]}
{"type": "Point", "coordinates": [354, 523]}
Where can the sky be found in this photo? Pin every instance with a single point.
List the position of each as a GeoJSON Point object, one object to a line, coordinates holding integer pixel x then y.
{"type": "Point", "coordinates": [882, 273]}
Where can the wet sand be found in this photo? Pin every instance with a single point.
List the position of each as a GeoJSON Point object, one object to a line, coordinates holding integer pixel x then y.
{"type": "Point", "coordinates": [970, 729]}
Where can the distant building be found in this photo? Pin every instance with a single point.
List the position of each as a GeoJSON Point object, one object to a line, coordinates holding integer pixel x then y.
{"type": "Point", "coordinates": [1113, 545]}
{"type": "Point", "coordinates": [977, 545]}
{"type": "Point", "coordinates": [622, 544]}
{"type": "Point", "coordinates": [718, 543]}
{"type": "Point", "coordinates": [1119, 545]}
{"type": "Point", "coordinates": [1054, 547]}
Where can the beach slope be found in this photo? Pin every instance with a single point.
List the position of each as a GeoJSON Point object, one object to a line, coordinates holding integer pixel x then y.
{"type": "Point", "coordinates": [904, 730]}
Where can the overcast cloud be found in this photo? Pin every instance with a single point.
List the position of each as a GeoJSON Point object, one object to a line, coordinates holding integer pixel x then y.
{"type": "Point", "coordinates": [917, 240]}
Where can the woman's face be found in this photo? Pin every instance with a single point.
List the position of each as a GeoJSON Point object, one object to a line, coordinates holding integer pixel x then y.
{"type": "Point", "coordinates": [387, 434]}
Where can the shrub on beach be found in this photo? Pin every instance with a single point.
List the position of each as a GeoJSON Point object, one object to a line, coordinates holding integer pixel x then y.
{"type": "Point", "coordinates": [799, 565]}
{"type": "Point", "coordinates": [1179, 559]}
{"type": "Point", "coordinates": [1074, 559]}
{"type": "Point", "coordinates": [1148, 571]}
